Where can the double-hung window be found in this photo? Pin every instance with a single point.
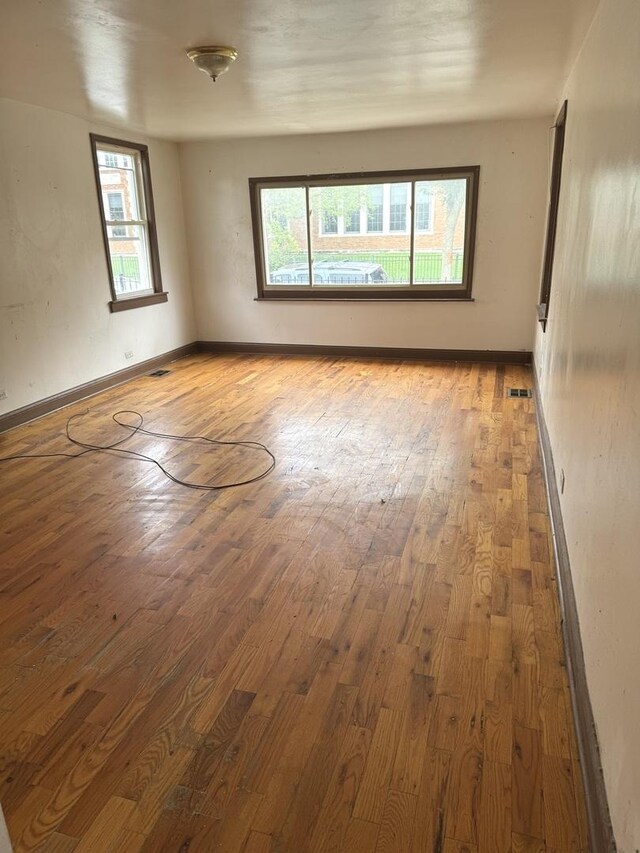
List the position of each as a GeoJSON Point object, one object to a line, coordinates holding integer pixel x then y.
{"type": "Point", "coordinates": [123, 180]}
{"type": "Point", "coordinates": [391, 235]}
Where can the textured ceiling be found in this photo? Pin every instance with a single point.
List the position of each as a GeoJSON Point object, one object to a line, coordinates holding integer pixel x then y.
{"type": "Point", "coordinates": [304, 65]}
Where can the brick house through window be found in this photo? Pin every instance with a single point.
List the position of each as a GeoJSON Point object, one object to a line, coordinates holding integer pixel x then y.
{"type": "Point", "coordinates": [379, 228]}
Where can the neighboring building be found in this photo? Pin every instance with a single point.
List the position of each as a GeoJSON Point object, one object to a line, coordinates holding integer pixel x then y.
{"type": "Point", "coordinates": [373, 224]}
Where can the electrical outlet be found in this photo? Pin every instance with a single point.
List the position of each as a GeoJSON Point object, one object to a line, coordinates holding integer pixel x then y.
{"type": "Point", "coordinates": [3, 394]}
{"type": "Point", "coordinates": [562, 481]}
{"type": "Point", "coordinates": [128, 354]}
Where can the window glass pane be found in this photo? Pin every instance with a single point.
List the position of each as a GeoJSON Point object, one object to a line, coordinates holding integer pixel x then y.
{"type": "Point", "coordinates": [122, 202]}
{"type": "Point", "coordinates": [129, 259]}
{"type": "Point", "coordinates": [350, 258]}
{"type": "Point", "coordinates": [424, 207]}
{"type": "Point", "coordinates": [398, 196]}
{"type": "Point", "coordinates": [440, 231]}
{"type": "Point", "coordinates": [284, 227]}
{"type": "Point", "coordinates": [118, 175]}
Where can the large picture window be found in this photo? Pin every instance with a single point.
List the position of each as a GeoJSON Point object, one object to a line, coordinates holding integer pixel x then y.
{"type": "Point", "coordinates": [128, 223]}
{"type": "Point", "coordinates": [393, 235]}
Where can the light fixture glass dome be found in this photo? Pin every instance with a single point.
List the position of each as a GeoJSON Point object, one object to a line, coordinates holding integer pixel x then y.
{"type": "Point", "coordinates": [213, 60]}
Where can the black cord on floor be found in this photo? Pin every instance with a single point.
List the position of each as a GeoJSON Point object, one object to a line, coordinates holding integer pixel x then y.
{"type": "Point", "coordinates": [133, 454]}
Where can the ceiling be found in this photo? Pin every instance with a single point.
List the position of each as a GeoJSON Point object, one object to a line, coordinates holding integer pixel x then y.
{"type": "Point", "coordinates": [303, 66]}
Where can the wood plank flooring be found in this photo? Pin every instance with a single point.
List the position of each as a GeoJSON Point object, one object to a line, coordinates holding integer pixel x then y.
{"type": "Point", "coordinates": [359, 654]}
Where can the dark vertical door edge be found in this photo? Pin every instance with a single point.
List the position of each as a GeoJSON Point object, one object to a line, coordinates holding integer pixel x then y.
{"type": "Point", "coordinates": [552, 219]}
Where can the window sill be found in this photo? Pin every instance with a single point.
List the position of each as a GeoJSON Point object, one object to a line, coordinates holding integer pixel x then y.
{"type": "Point", "coordinates": [137, 302]}
{"type": "Point", "coordinates": [394, 297]}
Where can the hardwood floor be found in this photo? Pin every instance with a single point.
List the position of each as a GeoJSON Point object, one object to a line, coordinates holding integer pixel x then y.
{"type": "Point", "coordinates": [360, 653]}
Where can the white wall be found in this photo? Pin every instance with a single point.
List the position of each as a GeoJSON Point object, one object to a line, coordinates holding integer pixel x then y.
{"type": "Point", "coordinates": [513, 160]}
{"type": "Point", "coordinates": [56, 330]}
{"type": "Point", "coordinates": [589, 367]}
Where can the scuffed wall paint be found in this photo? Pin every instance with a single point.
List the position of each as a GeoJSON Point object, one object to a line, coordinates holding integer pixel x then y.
{"type": "Point", "coordinates": [589, 370]}
{"type": "Point", "coordinates": [56, 330]}
{"type": "Point", "coordinates": [513, 159]}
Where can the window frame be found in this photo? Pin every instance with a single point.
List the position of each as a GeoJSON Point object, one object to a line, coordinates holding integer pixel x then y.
{"type": "Point", "coordinates": [125, 303]}
{"type": "Point", "coordinates": [442, 291]}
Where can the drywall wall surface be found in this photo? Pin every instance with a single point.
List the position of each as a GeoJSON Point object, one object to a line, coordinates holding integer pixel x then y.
{"type": "Point", "coordinates": [56, 330]}
{"type": "Point", "coordinates": [589, 370]}
{"type": "Point", "coordinates": [513, 160]}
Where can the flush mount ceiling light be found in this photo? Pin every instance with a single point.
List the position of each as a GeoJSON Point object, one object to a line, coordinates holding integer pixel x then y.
{"type": "Point", "coordinates": [214, 61]}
